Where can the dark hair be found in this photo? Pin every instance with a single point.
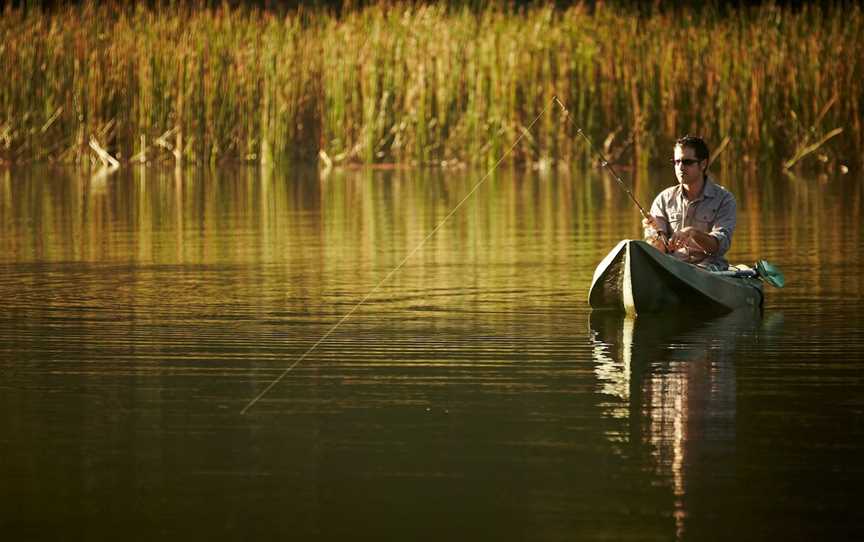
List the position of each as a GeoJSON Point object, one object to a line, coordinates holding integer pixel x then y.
{"type": "Point", "coordinates": [697, 144]}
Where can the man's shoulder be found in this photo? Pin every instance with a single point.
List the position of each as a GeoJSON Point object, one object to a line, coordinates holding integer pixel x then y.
{"type": "Point", "coordinates": [670, 190]}
{"type": "Point", "coordinates": [669, 193]}
{"type": "Point", "coordinates": [714, 188]}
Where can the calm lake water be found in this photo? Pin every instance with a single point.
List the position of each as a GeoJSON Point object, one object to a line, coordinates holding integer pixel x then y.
{"type": "Point", "coordinates": [473, 396]}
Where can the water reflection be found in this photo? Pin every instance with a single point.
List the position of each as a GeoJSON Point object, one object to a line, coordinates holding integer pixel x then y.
{"type": "Point", "coordinates": [149, 214]}
{"type": "Point", "coordinates": [674, 379]}
{"type": "Point", "coordinates": [142, 311]}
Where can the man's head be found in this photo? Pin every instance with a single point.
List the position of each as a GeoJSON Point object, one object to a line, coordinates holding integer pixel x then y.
{"type": "Point", "coordinates": [691, 159]}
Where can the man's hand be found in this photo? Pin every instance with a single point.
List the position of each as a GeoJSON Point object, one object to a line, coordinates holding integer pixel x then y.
{"type": "Point", "coordinates": [651, 222]}
{"type": "Point", "coordinates": [653, 235]}
{"type": "Point", "coordinates": [691, 240]}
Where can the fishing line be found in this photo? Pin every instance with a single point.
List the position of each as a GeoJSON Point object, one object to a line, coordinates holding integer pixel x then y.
{"type": "Point", "coordinates": [605, 163]}
{"type": "Point", "coordinates": [398, 266]}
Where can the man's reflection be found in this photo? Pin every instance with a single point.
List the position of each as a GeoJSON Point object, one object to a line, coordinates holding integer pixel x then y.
{"type": "Point", "coordinates": [674, 381]}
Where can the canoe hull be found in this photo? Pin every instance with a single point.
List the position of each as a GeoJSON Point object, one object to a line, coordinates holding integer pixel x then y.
{"type": "Point", "coordinates": [636, 278]}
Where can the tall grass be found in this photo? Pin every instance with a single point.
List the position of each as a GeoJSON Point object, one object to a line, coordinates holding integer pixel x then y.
{"type": "Point", "coordinates": [424, 84]}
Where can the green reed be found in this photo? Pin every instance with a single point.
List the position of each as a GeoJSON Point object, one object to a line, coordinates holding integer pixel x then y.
{"type": "Point", "coordinates": [425, 84]}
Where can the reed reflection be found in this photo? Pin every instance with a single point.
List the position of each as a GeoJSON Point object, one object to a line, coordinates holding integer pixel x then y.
{"type": "Point", "coordinates": [672, 380]}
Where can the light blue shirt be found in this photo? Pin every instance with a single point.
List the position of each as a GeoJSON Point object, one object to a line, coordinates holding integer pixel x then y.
{"type": "Point", "coordinates": [713, 212]}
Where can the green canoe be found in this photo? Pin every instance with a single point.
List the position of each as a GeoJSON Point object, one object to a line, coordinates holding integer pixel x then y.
{"type": "Point", "coordinates": [636, 278]}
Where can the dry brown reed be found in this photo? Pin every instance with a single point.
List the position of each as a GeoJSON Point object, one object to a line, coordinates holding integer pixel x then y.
{"type": "Point", "coordinates": [424, 84]}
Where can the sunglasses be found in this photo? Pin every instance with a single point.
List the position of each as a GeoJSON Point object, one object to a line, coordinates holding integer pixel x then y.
{"type": "Point", "coordinates": [685, 161]}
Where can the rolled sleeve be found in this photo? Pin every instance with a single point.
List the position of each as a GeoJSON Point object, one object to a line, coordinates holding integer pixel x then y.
{"type": "Point", "coordinates": [724, 224]}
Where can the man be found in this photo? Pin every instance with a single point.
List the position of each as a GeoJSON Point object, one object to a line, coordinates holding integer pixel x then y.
{"type": "Point", "coordinates": [695, 219]}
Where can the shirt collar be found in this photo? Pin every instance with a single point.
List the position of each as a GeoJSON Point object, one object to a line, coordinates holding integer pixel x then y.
{"type": "Point", "coordinates": [709, 190]}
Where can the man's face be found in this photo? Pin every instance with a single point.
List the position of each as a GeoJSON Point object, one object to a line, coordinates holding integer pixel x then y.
{"type": "Point", "coordinates": [687, 167]}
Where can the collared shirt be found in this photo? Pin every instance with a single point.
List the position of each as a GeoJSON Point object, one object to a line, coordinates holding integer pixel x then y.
{"type": "Point", "coordinates": [713, 212]}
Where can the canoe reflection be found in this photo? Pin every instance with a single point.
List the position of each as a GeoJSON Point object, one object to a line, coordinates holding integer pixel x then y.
{"type": "Point", "coordinates": [672, 378]}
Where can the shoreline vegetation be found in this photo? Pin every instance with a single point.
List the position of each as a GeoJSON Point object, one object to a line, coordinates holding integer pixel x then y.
{"type": "Point", "coordinates": [418, 85]}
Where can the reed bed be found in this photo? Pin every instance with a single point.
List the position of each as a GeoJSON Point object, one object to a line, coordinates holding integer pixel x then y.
{"type": "Point", "coordinates": [425, 84]}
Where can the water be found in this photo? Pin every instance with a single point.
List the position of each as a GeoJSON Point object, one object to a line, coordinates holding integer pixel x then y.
{"type": "Point", "coordinates": [474, 395]}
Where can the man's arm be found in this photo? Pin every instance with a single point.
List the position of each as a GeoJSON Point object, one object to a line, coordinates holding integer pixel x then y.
{"type": "Point", "coordinates": [655, 233]}
{"type": "Point", "coordinates": [717, 241]}
{"type": "Point", "coordinates": [724, 224]}
{"type": "Point", "coordinates": [656, 226]}
{"type": "Point", "coordinates": [694, 239]}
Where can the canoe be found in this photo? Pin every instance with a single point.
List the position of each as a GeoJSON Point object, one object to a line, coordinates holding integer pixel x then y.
{"type": "Point", "coordinates": [636, 278]}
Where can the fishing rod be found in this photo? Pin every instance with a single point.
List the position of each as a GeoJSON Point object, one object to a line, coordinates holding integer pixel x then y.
{"type": "Point", "coordinates": [603, 161]}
